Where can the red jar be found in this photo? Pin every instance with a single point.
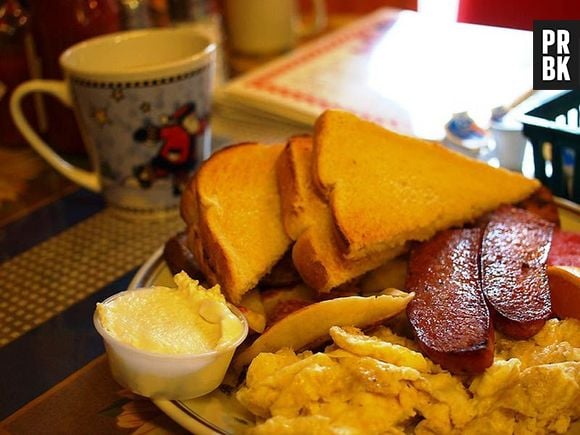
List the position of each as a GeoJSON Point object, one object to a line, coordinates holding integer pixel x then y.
{"type": "Point", "coordinates": [57, 25]}
{"type": "Point", "coordinates": [15, 44]}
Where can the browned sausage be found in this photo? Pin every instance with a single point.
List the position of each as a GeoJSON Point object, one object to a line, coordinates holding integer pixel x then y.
{"type": "Point", "coordinates": [542, 204]}
{"type": "Point", "coordinates": [283, 274]}
{"type": "Point", "coordinates": [449, 315]}
{"type": "Point", "coordinates": [178, 257]}
{"type": "Point", "coordinates": [514, 252]}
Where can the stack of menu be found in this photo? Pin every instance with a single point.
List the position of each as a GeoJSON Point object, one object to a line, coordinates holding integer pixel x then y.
{"type": "Point", "coordinates": [400, 69]}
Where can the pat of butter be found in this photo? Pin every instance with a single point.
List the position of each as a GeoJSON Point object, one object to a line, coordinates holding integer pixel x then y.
{"type": "Point", "coordinates": [188, 319]}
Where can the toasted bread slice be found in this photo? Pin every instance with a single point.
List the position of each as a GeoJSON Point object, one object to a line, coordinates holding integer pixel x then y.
{"type": "Point", "coordinates": [301, 207]}
{"type": "Point", "coordinates": [385, 188]}
{"type": "Point", "coordinates": [233, 210]}
{"type": "Point", "coordinates": [308, 220]}
{"type": "Point", "coordinates": [190, 214]}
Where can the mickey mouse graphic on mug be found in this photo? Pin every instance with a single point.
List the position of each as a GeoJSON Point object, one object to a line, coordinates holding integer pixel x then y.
{"type": "Point", "coordinates": [176, 156]}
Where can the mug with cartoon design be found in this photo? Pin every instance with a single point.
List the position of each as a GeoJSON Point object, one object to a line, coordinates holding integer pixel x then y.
{"type": "Point", "coordinates": [142, 100]}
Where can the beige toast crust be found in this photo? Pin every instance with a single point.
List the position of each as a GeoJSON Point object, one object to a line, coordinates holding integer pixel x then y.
{"type": "Point", "coordinates": [190, 213]}
{"type": "Point", "coordinates": [291, 185]}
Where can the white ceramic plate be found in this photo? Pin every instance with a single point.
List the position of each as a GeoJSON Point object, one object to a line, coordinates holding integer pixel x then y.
{"type": "Point", "coordinates": [219, 412]}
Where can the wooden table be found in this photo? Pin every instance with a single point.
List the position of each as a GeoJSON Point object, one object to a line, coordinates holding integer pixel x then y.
{"type": "Point", "coordinates": [61, 251]}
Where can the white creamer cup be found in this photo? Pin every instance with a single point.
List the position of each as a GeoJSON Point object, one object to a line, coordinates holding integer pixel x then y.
{"type": "Point", "coordinates": [510, 144]}
{"type": "Point", "coordinates": [161, 376]}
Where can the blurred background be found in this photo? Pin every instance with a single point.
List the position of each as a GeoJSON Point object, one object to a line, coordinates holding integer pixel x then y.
{"type": "Point", "coordinates": [33, 34]}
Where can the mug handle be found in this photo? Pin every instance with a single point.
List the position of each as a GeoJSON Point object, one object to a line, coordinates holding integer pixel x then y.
{"type": "Point", "coordinates": [319, 21]}
{"type": "Point", "coordinates": [60, 90]}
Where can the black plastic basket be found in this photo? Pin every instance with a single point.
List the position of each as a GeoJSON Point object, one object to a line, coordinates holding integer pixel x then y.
{"type": "Point", "coordinates": [553, 129]}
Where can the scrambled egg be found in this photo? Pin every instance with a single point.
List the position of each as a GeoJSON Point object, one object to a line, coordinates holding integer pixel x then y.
{"type": "Point", "coordinates": [382, 384]}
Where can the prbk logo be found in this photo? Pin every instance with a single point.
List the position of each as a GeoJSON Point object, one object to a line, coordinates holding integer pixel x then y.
{"type": "Point", "coordinates": [556, 53]}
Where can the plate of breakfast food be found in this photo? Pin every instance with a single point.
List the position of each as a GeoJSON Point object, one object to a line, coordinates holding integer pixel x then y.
{"type": "Point", "coordinates": [390, 285]}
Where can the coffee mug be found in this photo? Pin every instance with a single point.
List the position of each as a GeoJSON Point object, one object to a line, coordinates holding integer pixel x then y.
{"type": "Point", "coordinates": [257, 27]}
{"type": "Point", "coordinates": [142, 100]}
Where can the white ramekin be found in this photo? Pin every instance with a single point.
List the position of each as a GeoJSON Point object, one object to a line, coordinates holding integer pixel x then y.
{"type": "Point", "coordinates": [162, 376]}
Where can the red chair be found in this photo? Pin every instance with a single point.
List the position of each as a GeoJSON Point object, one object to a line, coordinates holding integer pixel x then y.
{"type": "Point", "coordinates": [516, 14]}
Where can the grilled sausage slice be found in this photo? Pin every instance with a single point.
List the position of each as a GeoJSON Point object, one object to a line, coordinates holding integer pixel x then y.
{"type": "Point", "coordinates": [541, 203]}
{"type": "Point", "coordinates": [565, 249]}
{"type": "Point", "coordinates": [514, 252]}
{"type": "Point", "coordinates": [178, 257]}
{"type": "Point", "coordinates": [448, 314]}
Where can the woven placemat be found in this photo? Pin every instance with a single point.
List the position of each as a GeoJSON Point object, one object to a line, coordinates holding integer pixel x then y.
{"type": "Point", "coordinates": [66, 268]}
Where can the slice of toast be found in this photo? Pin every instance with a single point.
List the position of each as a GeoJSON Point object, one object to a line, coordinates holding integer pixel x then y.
{"type": "Point", "coordinates": [190, 214]}
{"type": "Point", "coordinates": [385, 188]}
{"type": "Point", "coordinates": [301, 206]}
{"type": "Point", "coordinates": [232, 208]}
{"type": "Point", "coordinates": [308, 220]}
